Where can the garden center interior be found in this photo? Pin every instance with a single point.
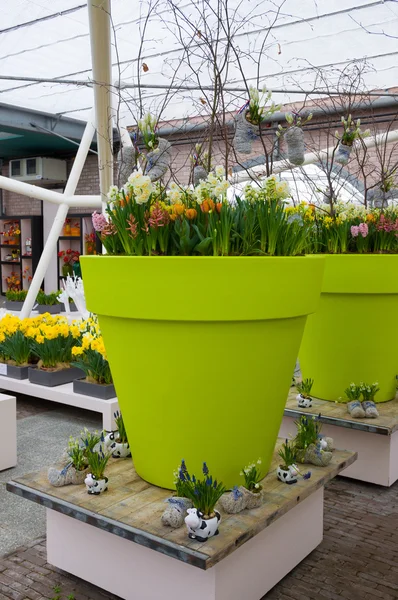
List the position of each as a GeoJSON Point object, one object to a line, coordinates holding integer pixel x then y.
{"type": "Point", "coordinates": [198, 266]}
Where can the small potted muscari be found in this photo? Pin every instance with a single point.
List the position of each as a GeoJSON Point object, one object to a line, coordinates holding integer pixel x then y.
{"type": "Point", "coordinates": [15, 299]}
{"type": "Point", "coordinates": [202, 520]}
{"type": "Point", "coordinates": [48, 303]}
{"type": "Point", "coordinates": [311, 447]}
{"type": "Point", "coordinates": [18, 350]}
{"type": "Point", "coordinates": [96, 482]}
{"type": "Point", "coordinates": [287, 471]}
{"type": "Point", "coordinates": [176, 510]}
{"type": "Point", "coordinates": [252, 489]}
{"type": "Point", "coordinates": [117, 441]}
{"type": "Point", "coordinates": [304, 398]}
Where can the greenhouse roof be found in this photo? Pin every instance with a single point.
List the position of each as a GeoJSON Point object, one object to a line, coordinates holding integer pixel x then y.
{"type": "Point", "coordinates": [50, 40]}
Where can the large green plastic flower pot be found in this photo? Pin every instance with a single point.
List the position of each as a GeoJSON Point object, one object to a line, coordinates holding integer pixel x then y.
{"type": "Point", "coordinates": [353, 335]}
{"type": "Point", "coordinates": [202, 351]}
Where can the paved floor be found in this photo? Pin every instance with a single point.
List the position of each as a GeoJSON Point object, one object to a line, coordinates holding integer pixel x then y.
{"type": "Point", "coordinates": [357, 560]}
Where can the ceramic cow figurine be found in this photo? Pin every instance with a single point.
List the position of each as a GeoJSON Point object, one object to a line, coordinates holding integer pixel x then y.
{"type": "Point", "coordinates": [201, 529]}
{"type": "Point", "coordinates": [96, 486]}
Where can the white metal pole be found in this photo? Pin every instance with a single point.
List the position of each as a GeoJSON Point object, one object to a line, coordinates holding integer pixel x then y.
{"type": "Point", "coordinates": [309, 158]}
{"type": "Point", "coordinates": [99, 13]}
{"type": "Point", "coordinates": [56, 228]}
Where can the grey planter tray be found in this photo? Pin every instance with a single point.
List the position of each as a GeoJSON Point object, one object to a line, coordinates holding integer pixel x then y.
{"type": "Point", "coordinates": [11, 305]}
{"type": "Point", "coordinates": [15, 372]}
{"type": "Point", "coordinates": [53, 378]}
{"type": "Point", "coordinates": [53, 309]}
{"type": "Point", "coordinates": [96, 390]}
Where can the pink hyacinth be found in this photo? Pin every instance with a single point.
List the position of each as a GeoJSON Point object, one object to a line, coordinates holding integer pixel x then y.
{"type": "Point", "coordinates": [363, 229]}
{"type": "Point", "coordinates": [99, 221]}
{"type": "Point", "coordinates": [354, 231]}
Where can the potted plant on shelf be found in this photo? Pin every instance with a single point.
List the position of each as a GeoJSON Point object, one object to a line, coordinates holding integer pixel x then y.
{"type": "Point", "coordinates": [369, 391]}
{"type": "Point", "coordinates": [15, 299]}
{"type": "Point", "coordinates": [90, 356]}
{"type": "Point", "coordinates": [178, 504]}
{"type": "Point", "coordinates": [310, 446]}
{"type": "Point", "coordinates": [304, 398]}
{"type": "Point", "coordinates": [252, 489]}
{"type": "Point", "coordinates": [359, 285]}
{"type": "Point", "coordinates": [354, 405]}
{"type": "Point", "coordinates": [250, 117]}
{"type": "Point", "coordinates": [75, 229]}
{"type": "Point", "coordinates": [287, 471]}
{"type": "Point", "coordinates": [48, 303]}
{"type": "Point", "coordinates": [69, 258]}
{"type": "Point", "coordinates": [117, 441]}
{"type": "Point", "coordinates": [52, 341]}
{"type": "Point", "coordinates": [203, 520]}
{"type": "Point", "coordinates": [17, 348]}
{"type": "Point", "coordinates": [294, 136]}
{"type": "Point", "coordinates": [76, 469]}
{"type": "Point", "coordinates": [95, 481]}
{"type": "Point", "coordinates": [90, 241]}
{"type": "Point", "coordinates": [67, 227]}
{"type": "Point", "coordinates": [351, 132]}
{"type": "Point", "coordinates": [154, 244]}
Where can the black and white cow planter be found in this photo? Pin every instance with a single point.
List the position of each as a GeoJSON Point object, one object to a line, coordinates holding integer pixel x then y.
{"type": "Point", "coordinates": [200, 529]}
{"type": "Point", "coordinates": [287, 475]}
{"type": "Point", "coordinates": [118, 449]}
{"type": "Point", "coordinates": [304, 401]}
{"type": "Point", "coordinates": [96, 486]}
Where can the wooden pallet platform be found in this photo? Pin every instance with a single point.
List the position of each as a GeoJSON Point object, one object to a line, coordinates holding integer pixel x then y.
{"type": "Point", "coordinates": [375, 440]}
{"type": "Point", "coordinates": [132, 508]}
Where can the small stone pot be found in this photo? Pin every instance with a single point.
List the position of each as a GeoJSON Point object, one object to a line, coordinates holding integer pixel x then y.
{"type": "Point", "coordinates": [96, 390]}
{"type": "Point", "coordinates": [253, 499]}
{"type": "Point", "coordinates": [342, 155]}
{"type": "Point", "coordinates": [66, 476]}
{"type": "Point", "coordinates": [95, 486]}
{"type": "Point", "coordinates": [245, 134]}
{"type": "Point", "coordinates": [294, 137]}
{"type": "Point", "coordinates": [53, 309]}
{"type": "Point", "coordinates": [303, 402]}
{"type": "Point", "coordinates": [53, 378]}
{"type": "Point", "coordinates": [287, 475]}
{"type": "Point", "coordinates": [158, 160]}
{"type": "Point", "coordinates": [175, 512]}
{"type": "Point", "coordinates": [233, 503]}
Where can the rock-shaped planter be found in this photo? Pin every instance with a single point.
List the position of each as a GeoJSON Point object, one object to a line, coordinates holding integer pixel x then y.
{"type": "Point", "coordinates": [245, 134]}
{"type": "Point", "coordinates": [314, 455]}
{"type": "Point", "coordinates": [176, 511]}
{"type": "Point", "coordinates": [233, 502]}
{"type": "Point", "coordinates": [378, 198]}
{"type": "Point", "coordinates": [199, 174]}
{"type": "Point", "coordinates": [158, 160]}
{"type": "Point", "coordinates": [253, 499]}
{"type": "Point", "coordinates": [66, 476]}
{"type": "Point", "coordinates": [126, 161]}
{"type": "Point", "coordinates": [294, 137]}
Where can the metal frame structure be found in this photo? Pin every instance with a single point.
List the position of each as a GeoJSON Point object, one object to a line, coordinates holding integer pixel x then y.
{"type": "Point", "coordinates": [100, 122]}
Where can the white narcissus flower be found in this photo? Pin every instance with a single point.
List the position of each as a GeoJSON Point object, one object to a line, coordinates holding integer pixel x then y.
{"type": "Point", "coordinates": [220, 171]}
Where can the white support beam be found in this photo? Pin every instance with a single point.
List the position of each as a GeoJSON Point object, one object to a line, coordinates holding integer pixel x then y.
{"type": "Point", "coordinates": [64, 205]}
{"type": "Point", "coordinates": [39, 193]}
{"type": "Point", "coordinates": [310, 158]}
{"type": "Point", "coordinates": [99, 14]}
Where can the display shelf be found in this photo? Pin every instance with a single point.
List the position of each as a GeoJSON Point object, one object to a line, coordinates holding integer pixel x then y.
{"type": "Point", "coordinates": [31, 233]}
{"type": "Point", "coordinates": [375, 440]}
{"type": "Point", "coordinates": [63, 394]}
{"type": "Point", "coordinates": [74, 242]}
{"type": "Point", "coordinates": [126, 521]}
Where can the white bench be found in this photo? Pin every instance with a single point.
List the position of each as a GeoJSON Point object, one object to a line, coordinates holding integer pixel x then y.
{"type": "Point", "coordinates": [8, 438]}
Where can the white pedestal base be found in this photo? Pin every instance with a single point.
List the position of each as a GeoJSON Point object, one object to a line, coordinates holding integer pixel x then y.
{"type": "Point", "coordinates": [138, 573]}
{"type": "Point", "coordinates": [377, 454]}
{"type": "Point", "coordinates": [8, 438]}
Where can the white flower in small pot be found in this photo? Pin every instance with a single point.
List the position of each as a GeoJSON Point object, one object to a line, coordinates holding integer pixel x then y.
{"type": "Point", "coordinates": [351, 132]}
{"type": "Point", "coordinates": [249, 118]}
{"type": "Point", "coordinates": [252, 489]}
{"type": "Point", "coordinates": [369, 391]}
{"type": "Point", "coordinates": [75, 471]}
{"type": "Point", "coordinates": [304, 398]}
{"type": "Point", "coordinates": [294, 137]}
{"type": "Point", "coordinates": [202, 520]}
{"type": "Point", "coordinates": [119, 446]}
{"type": "Point", "coordinates": [158, 158]}
{"type": "Point", "coordinates": [96, 482]}
{"type": "Point", "coordinates": [311, 446]}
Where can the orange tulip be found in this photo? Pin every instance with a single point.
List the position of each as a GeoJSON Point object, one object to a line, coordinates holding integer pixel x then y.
{"type": "Point", "coordinates": [207, 206]}
{"type": "Point", "coordinates": [219, 207]}
{"type": "Point", "coordinates": [191, 214]}
{"type": "Point", "coordinates": [178, 209]}
{"type": "Point", "coordinates": [370, 217]}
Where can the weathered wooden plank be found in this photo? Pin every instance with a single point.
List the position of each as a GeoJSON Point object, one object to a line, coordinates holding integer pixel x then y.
{"type": "Point", "coordinates": [335, 413]}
